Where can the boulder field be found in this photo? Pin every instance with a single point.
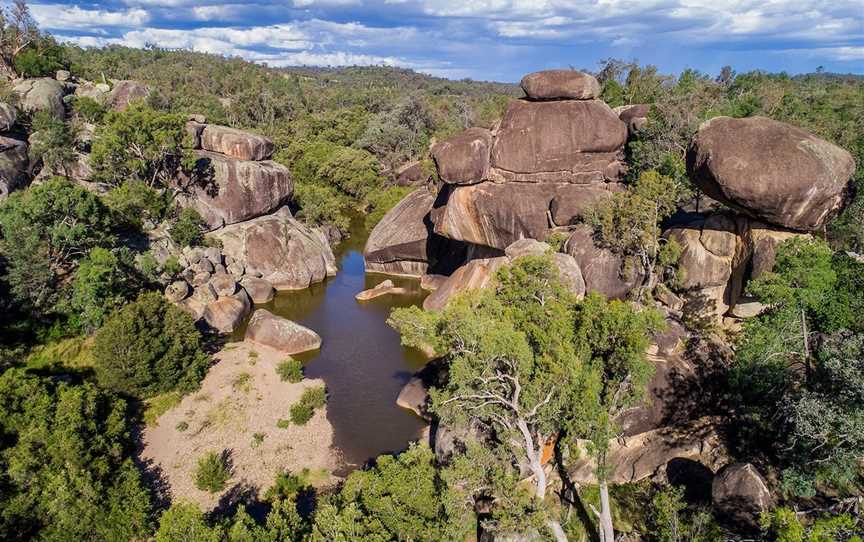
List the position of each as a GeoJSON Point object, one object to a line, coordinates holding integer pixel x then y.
{"type": "Point", "coordinates": [554, 155]}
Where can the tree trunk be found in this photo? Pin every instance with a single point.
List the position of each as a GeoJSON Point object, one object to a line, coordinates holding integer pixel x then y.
{"type": "Point", "coordinates": [607, 532]}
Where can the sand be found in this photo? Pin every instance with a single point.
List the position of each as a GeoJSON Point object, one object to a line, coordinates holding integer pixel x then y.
{"type": "Point", "coordinates": [242, 396]}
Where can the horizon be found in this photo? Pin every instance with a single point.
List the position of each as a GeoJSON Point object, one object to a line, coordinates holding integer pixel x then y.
{"type": "Point", "coordinates": [513, 37]}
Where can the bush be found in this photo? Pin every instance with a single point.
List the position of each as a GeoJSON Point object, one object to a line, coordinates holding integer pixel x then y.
{"type": "Point", "coordinates": [302, 411]}
{"type": "Point", "coordinates": [212, 472]}
{"type": "Point", "coordinates": [40, 59]}
{"type": "Point", "coordinates": [88, 109]}
{"type": "Point", "coordinates": [290, 370]}
{"type": "Point", "coordinates": [133, 201]}
{"type": "Point", "coordinates": [382, 201]}
{"type": "Point", "coordinates": [103, 282]}
{"type": "Point", "coordinates": [321, 205]}
{"type": "Point", "coordinates": [188, 229]}
{"type": "Point", "coordinates": [149, 347]}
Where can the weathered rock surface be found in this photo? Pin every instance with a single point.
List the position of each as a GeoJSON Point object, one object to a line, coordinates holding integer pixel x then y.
{"type": "Point", "coordinates": [8, 116]}
{"type": "Point", "coordinates": [95, 91]}
{"type": "Point", "coordinates": [43, 94]}
{"type": "Point", "coordinates": [227, 313]}
{"type": "Point", "coordinates": [259, 290]}
{"type": "Point", "coordinates": [279, 249]}
{"type": "Point", "coordinates": [240, 190]}
{"type": "Point", "coordinates": [413, 396]}
{"type": "Point", "coordinates": [224, 285]}
{"type": "Point", "coordinates": [235, 143]}
{"type": "Point", "coordinates": [124, 93]}
{"type": "Point", "coordinates": [604, 271]}
{"type": "Point", "coordinates": [386, 287]}
{"type": "Point", "coordinates": [177, 291]}
{"type": "Point", "coordinates": [13, 165]}
{"type": "Point", "coordinates": [430, 283]}
{"type": "Point", "coordinates": [773, 171]}
{"type": "Point", "coordinates": [634, 116]}
{"type": "Point", "coordinates": [411, 174]}
{"type": "Point", "coordinates": [560, 85]}
{"type": "Point", "coordinates": [464, 158]}
{"type": "Point", "coordinates": [497, 215]}
{"type": "Point", "coordinates": [398, 244]}
{"type": "Point", "coordinates": [558, 140]}
{"type": "Point", "coordinates": [280, 333]}
{"type": "Point", "coordinates": [740, 494]}
{"type": "Point", "coordinates": [640, 456]}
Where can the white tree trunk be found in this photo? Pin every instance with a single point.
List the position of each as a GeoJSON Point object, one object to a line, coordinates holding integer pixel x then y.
{"type": "Point", "coordinates": [607, 531]}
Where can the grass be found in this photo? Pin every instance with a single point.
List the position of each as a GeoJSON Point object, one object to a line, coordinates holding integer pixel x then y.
{"type": "Point", "coordinates": [242, 382]}
{"type": "Point", "coordinates": [159, 405]}
{"type": "Point", "coordinates": [290, 370]}
{"type": "Point", "coordinates": [182, 426]}
{"type": "Point", "coordinates": [253, 357]}
{"type": "Point", "coordinates": [224, 413]}
{"type": "Point", "coordinates": [258, 439]}
{"type": "Point", "coordinates": [212, 472]}
{"type": "Point", "coordinates": [302, 411]}
{"type": "Point", "coordinates": [74, 353]}
{"type": "Point", "coordinates": [282, 423]}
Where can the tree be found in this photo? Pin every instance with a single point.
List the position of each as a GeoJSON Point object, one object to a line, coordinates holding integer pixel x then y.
{"type": "Point", "coordinates": [46, 230]}
{"type": "Point", "coordinates": [141, 143]}
{"type": "Point", "coordinates": [18, 31]}
{"type": "Point", "coordinates": [185, 522]}
{"type": "Point", "coordinates": [188, 229]}
{"type": "Point", "coordinates": [42, 57]}
{"type": "Point", "coordinates": [149, 347]}
{"type": "Point", "coordinates": [613, 337]}
{"type": "Point", "coordinates": [400, 498]}
{"type": "Point", "coordinates": [66, 467]}
{"type": "Point", "coordinates": [53, 144]}
{"type": "Point", "coordinates": [527, 363]}
{"type": "Point", "coordinates": [629, 223]}
{"type": "Point", "coordinates": [103, 282]}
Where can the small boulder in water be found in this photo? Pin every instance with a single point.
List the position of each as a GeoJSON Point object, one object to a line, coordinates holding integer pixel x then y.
{"type": "Point", "coordinates": [384, 288]}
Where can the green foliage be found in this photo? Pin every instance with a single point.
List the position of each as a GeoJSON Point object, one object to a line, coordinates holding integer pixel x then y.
{"type": "Point", "coordinates": [67, 470]}
{"type": "Point", "coordinates": [53, 143]}
{"type": "Point", "coordinates": [286, 486]}
{"type": "Point", "coordinates": [88, 109]}
{"type": "Point", "coordinates": [381, 201]}
{"type": "Point", "coordinates": [303, 410]}
{"type": "Point", "coordinates": [629, 222]}
{"type": "Point", "coordinates": [41, 58]}
{"type": "Point", "coordinates": [46, 231]}
{"type": "Point", "coordinates": [133, 202]}
{"type": "Point", "coordinates": [397, 134]}
{"type": "Point", "coordinates": [321, 205]}
{"type": "Point", "coordinates": [672, 521]}
{"type": "Point", "coordinates": [149, 347]}
{"type": "Point", "coordinates": [400, 498]}
{"type": "Point", "coordinates": [140, 143]}
{"type": "Point", "coordinates": [185, 522]}
{"type": "Point", "coordinates": [290, 370]}
{"type": "Point", "coordinates": [784, 525]}
{"type": "Point", "coordinates": [103, 282]}
{"type": "Point", "coordinates": [187, 230]}
{"type": "Point", "coordinates": [212, 472]}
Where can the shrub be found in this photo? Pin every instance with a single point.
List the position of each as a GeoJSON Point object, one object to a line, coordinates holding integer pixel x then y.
{"type": "Point", "coordinates": [182, 426]}
{"type": "Point", "coordinates": [286, 486]}
{"type": "Point", "coordinates": [290, 370]}
{"type": "Point", "coordinates": [88, 109]}
{"type": "Point", "coordinates": [282, 423]}
{"type": "Point", "coordinates": [382, 201]}
{"type": "Point", "coordinates": [149, 347]}
{"type": "Point", "coordinates": [212, 472]}
{"type": "Point", "coordinates": [133, 201]}
{"type": "Point", "coordinates": [188, 228]}
{"type": "Point", "coordinates": [103, 282]}
{"type": "Point", "coordinates": [258, 439]}
{"type": "Point", "coordinates": [302, 411]}
{"type": "Point", "coordinates": [321, 205]}
{"type": "Point", "coordinates": [40, 59]}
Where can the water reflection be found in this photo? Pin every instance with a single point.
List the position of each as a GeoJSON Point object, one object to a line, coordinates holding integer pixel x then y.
{"type": "Point", "coordinates": [361, 359]}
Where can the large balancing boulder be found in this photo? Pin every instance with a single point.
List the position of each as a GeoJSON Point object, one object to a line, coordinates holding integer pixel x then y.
{"type": "Point", "coordinates": [238, 190]}
{"type": "Point", "coordinates": [565, 141]}
{"type": "Point", "coordinates": [771, 170]}
{"type": "Point", "coordinates": [560, 85]}
{"type": "Point", "coordinates": [464, 158]}
{"type": "Point", "coordinates": [280, 333]}
{"type": "Point", "coordinates": [235, 143]}
{"type": "Point", "coordinates": [398, 244]}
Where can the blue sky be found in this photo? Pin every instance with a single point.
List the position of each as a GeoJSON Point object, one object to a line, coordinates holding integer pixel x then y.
{"type": "Point", "coordinates": [484, 39]}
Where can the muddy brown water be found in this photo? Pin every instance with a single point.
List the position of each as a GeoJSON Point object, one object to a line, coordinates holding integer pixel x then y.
{"type": "Point", "coordinates": [361, 359]}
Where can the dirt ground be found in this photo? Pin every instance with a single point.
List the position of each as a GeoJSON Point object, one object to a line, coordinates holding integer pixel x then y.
{"type": "Point", "coordinates": [236, 411]}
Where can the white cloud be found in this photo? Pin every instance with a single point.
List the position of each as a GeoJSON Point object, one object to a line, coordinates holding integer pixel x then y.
{"type": "Point", "coordinates": [61, 17]}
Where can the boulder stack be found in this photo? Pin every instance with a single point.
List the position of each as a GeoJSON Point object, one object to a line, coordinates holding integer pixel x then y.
{"type": "Point", "coordinates": [236, 181]}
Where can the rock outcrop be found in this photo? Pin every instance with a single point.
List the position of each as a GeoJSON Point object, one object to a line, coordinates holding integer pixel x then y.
{"type": "Point", "coordinates": [226, 314]}
{"type": "Point", "coordinates": [771, 171]}
{"type": "Point", "coordinates": [42, 94]}
{"type": "Point", "coordinates": [124, 93]}
{"type": "Point", "coordinates": [279, 249]}
{"type": "Point", "coordinates": [13, 165]}
{"type": "Point", "coordinates": [399, 243]}
{"type": "Point", "coordinates": [740, 494]}
{"type": "Point", "coordinates": [280, 333]}
{"type": "Point", "coordinates": [560, 85]}
{"type": "Point", "coordinates": [603, 270]}
{"type": "Point", "coordinates": [235, 143]}
{"type": "Point", "coordinates": [8, 116]}
{"type": "Point", "coordinates": [235, 190]}
{"type": "Point", "coordinates": [464, 158]}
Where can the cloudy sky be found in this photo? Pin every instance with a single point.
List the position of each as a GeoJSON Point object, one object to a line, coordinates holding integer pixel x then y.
{"type": "Point", "coordinates": [483, 39]}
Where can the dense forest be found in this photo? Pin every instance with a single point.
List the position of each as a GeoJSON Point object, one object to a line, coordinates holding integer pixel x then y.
{"type": "Point", "coordinates": [99, 175]}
